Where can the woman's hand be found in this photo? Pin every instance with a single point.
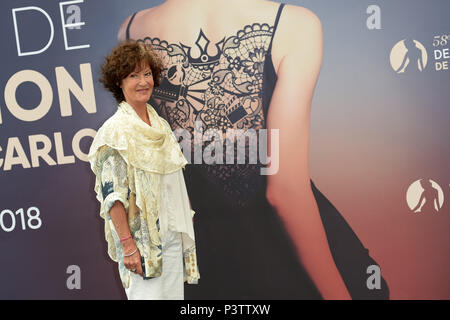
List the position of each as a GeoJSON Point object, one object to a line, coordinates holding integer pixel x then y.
{"type": "Point", "coordinates": [132, 262]}
{"type": "Point", "coordinates": [119, 219]}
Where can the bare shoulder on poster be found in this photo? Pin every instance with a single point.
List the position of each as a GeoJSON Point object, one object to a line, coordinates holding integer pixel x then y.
{"type": "Point", "coordinates": [69, 22]}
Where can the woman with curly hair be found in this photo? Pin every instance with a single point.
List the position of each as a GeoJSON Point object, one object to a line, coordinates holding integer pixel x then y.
{"type": "Point", "coordinates": [139, 182]}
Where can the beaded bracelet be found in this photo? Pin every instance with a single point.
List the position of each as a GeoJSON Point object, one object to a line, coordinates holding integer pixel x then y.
{"type": "Point", "coordinates": [129, 255]}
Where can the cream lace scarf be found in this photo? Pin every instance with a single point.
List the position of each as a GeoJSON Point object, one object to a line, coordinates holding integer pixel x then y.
{"type": "Point", "coordinates": [153, 149]}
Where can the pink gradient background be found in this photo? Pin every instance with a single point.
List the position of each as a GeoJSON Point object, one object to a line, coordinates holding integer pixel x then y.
{"type": "Point", "coordinates": [366, 151]}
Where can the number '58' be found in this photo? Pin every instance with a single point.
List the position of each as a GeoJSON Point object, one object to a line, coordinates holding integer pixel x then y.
{"type": "Point", "coordinates": [440, 40]}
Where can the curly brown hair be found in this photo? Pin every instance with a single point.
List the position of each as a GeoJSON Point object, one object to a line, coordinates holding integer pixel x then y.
{"type": "Point", "coordinates": [123, 60]}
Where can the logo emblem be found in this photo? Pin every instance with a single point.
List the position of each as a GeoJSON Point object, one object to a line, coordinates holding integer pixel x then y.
{"type": "Point", "coordinates": [408, 56]}
{"type": "Point", "coordinates": [424, 196]}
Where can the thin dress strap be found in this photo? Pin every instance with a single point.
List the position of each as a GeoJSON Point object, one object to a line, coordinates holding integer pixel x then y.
{"type": "Point", "coordinates": [280, 8]}
{"type": "Point", "coordinates": [129, 24]}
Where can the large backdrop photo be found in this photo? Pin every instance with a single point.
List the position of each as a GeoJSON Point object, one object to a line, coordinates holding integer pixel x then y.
{"type": "Point", "coordinates": [378, 147]}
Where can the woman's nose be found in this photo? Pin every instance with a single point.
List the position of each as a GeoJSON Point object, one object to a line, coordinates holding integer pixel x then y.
{"type": "Point", "coordinates": [141, 79]}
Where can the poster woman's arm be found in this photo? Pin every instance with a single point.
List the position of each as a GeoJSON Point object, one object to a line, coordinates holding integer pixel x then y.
{"type": "Point", "coordinates": [289, 190]}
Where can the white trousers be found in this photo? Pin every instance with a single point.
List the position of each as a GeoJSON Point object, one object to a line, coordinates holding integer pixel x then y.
{"type": "Point", "coordinates": [170, 285]}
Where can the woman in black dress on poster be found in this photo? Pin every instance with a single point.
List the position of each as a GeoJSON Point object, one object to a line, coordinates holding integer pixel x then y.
{"type": "Point", "coordinates": [252, 65]}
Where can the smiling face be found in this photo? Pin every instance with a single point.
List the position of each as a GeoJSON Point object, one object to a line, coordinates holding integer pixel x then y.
{"type": "Point", "coordinates": [137, 87]}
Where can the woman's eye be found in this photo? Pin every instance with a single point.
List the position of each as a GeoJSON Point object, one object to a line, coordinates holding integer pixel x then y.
{"type": "Point", "coordinates": [148, 74]}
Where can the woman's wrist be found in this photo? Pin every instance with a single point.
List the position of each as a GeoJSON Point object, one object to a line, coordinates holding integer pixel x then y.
{"type": "Point", "coordinates": [128, 245]}
{"type": "Point", "coordinates": [125, 238]}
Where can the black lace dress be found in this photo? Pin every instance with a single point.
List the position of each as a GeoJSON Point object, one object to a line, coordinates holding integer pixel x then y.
{"type": "Point", "coordinates": [243, 249]}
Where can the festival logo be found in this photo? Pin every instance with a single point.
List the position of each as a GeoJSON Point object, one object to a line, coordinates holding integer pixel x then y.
{"type": "Point", "coordinates": [408, 56]}
{"type": "Point", "coordinates": [424, 196]}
